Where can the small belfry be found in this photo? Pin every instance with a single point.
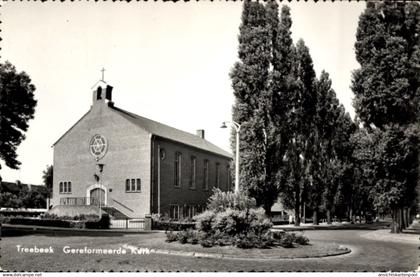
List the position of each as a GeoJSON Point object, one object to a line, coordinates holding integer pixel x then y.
{"type": "Point", "coordinates": [102, 92]}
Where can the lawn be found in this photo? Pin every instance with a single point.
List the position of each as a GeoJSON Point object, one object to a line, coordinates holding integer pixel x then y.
{"type": "Point", "coordinates": [12, 259]}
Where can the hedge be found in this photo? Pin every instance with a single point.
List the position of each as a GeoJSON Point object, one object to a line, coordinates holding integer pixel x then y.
{"type": "Point", "coordinates": [103, 223]}
{"type": "Point", "coordinates": [173, 225]}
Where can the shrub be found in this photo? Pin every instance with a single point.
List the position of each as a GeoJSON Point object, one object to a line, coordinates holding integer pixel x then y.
{"type": "Point", "coordinates": [170, 236]}
{"type": "Point", "coordinates": [278, 235]}
{"type": "Point", "coordinates": [4, 219]}
{"type": "Point", "coordinates": [302, 240]}
{"type": "Point", "coordinates": [183, 236]}
{"type": "Point", "coordinates": [220, 201]}
{"type": "Point", "coordinates": [40, 222]}
{"type": "Point", "coordinates": [232, 219]}
{"type": "Point", "coordinates": [207, 242]}
{"type": "Point", "coordinates": [287, 240]}
{"type": "Point", "coordinates": [172, 225]}
{"type": "Point", "coordinates": [103, 223]}
{"type": "Point", "coordinates": [78, 224]}
{"type": "Point", "coordinates": [204, 221]}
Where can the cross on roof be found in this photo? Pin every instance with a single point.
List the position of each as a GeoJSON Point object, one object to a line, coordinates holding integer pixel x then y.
{"type": "Point", "coordinates": [103, 72]}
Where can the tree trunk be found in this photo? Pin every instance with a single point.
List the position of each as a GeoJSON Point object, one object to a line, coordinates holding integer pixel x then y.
{"type": "Point", "coordinates": [395, 226]}
{"type": "Point", "coordinates": [329, 216]}
{"type": "Point", "coordinates": [403, 221]}
{"type": "Point", "coordinates": [303, 215]}
{"type": "Point", "coordinates": [297, 214]}
{"type": "Point", "coordinates": [297, 206]}
{"type": "Point", "coordinates": [409, 217]}
{"type": "Point", "coordinates": [315, 217]}
{"type": "Point", "coordinates": [267, 209]}
{"type": "Point", "coordinates": [352, 217]}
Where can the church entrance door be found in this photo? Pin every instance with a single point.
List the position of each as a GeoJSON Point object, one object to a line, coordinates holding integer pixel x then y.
{"type": "Point", "coordinates": [97, 196]}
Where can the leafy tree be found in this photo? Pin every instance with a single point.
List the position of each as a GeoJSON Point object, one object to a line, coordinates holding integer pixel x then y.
{"type": "Point", "coordinates": [287, 92]}
{"type": "Point", "coordinates": [306, 134]}
{"type": "Point", "coordinates": [17, 107]}
{"type": "Point", "coordinates": [386, 90]}
{"type": "Point", "coordinates": [253, 107]}
{"type": "Point", "coordinates": [47, 178]}
{"type": "Point", "coordinates": [387, 94]}
{"type": "Point", "coordinates": [340, 169]}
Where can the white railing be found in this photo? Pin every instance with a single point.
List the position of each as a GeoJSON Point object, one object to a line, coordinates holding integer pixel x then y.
{"type": "Point", "coordinates": [136, 223]}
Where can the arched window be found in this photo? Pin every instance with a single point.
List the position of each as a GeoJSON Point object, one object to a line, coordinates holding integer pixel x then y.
{"type": "Point", "coordinates": [127, 185]}
{"type": "Point", "coordinates": [133, 185]}
{"type": "Point", "coordinates": [206, 175]}
{"type": "Point", "coordinates": [177, 170]}
{"type": "Point", "coordinates": [138, 183]}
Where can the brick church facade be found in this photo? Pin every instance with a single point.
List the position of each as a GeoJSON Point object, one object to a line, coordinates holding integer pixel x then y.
{"type": "Point", "coordinates": [116, 159]}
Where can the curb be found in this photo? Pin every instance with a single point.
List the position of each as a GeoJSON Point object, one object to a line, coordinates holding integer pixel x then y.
{"type": "Point", "coordinates": [77, 230]}
{"type": "Point", "coordinates": [346, 251]}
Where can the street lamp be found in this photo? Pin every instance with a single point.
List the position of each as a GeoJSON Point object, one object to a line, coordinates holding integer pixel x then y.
{"type": "Point", "coordinates": [237, 127]}
{"type": "Point", "coordinates": [101, 169]}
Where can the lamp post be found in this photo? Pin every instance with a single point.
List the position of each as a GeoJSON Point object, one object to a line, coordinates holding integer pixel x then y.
{"type": "Point", "coordinates": [237, 127]}
{"type": "Point", "coordinates": [101, 168]}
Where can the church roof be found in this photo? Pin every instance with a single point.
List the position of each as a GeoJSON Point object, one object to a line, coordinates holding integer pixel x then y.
{"type": "Point", "coordinates": [171, 133]}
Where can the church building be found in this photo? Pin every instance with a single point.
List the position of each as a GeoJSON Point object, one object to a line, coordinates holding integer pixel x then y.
{"type": "Point", "coordinates": [130, 165]}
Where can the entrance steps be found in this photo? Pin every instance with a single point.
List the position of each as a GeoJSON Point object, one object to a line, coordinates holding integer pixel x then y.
{"type": "Point", "coordinates": [114, 213]}
{"type": "Point", "coordinates": [73, 210]}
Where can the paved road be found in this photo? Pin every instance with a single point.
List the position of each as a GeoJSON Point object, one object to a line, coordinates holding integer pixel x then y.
{"type": "Point", "coordinates": [367, 255]}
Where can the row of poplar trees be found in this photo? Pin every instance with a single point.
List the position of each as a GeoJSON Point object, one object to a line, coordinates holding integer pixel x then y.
{"type": "Point", "coordinates": [297, 141]}
{"type": "Point", "coordinates": [387, 102]}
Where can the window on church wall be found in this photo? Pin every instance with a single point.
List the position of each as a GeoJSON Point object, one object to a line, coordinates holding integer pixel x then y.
{"type": "Point", "coordinates": [193, 175]}
{"type": "Point", "coordinates": [206, 175]}
{"type": "Point", "coordinates": [177, 170]}
{"type": "Point", "coordinates": [174, 211]}
{"type": "Point", "coordinates": [217, 179]}
{"type": "Point", "coordinates": [228, 179]}
{"type": "Point", "coordinates": [133, 185]}
{"type": "Point", "coordinates": [191, 211]}
{"type": "Point", "coordinates": [138, 184]}
{"type": "Point", "coordinates": [127, 185]}
{"type": "Point", "coordinates": [65, 187]}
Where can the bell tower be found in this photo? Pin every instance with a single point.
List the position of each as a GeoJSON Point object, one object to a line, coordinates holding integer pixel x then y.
{"type": "Point", "coordinates": [102, 92]}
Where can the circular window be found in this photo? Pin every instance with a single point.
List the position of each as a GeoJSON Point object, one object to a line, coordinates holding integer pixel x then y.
{"type": "Point", "coordinates": [98, 146]}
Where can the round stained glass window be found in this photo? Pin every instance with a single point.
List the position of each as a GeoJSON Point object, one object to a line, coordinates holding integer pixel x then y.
{"type": "Point", "coordinates": [98, 146]}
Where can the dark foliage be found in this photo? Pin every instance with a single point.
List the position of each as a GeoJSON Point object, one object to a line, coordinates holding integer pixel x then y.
{"type": "Point", "coordinates": [17, 107]}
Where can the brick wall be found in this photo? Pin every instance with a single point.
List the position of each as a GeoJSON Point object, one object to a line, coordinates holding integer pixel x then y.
{"type": "Point", "coordinates": [184, 195]}
{"type": "Point", "coordinates": [128, 156]}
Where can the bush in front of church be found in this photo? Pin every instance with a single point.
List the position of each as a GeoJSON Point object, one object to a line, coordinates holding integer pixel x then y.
{"type": "Point", "coordinates": [230, 219]}
{"type": "Point", "coordinates": [247, 228]}
{"type": "Point", "coordinates": [233, 219]}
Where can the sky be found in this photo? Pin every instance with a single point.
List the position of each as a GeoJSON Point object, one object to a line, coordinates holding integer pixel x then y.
{"type": "Point", "coordinates": [167, 61]}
